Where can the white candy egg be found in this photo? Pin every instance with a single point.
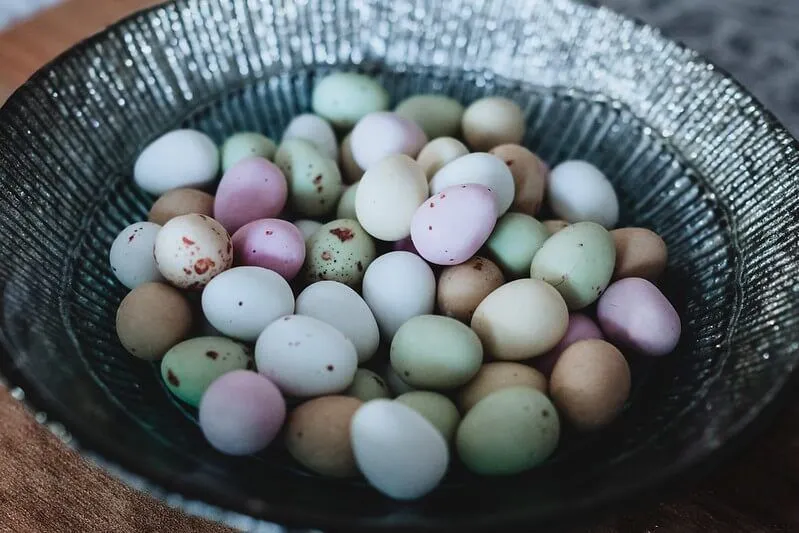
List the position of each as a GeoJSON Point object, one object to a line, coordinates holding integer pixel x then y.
{"type": "Point", "coordinates": [398, 451]}
{"type": "Point", "coordinates": [191, 250]}
{"type": "Point", "coordinates": [481, 168]}
{"type": "Point", "coordinates": [180, 158]}
{"type": "Point", "coordinates": [306, 357]}
{"type": "Point", "coordinates": [315, 130]}
{"type": "Point", "coordinates": [131, 255]}
{"type": "Point", "coordinates": [308, 227]}
{"type": "Point", "coordinates": [242, 301]}
{"type": "Point", "coordinates": [341, 307]}
{"type": "Point", "coordinates": [398, 286]}
{"type": "Point", "coordinates": [579, 192]}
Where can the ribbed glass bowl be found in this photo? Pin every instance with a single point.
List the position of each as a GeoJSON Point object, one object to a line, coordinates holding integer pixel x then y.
{"type": "Point", "coordinates": [692, 155]}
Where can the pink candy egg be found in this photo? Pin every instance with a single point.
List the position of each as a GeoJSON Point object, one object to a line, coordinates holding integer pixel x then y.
{"type": "Point", "coordinates": [270, 243]}
{"type": "Point", "coordinates": [634, 314]}
{"type": "Point", "coordinates": [251, 189]}
{"type": "Point", "coordinates": [580, 328]}
{"type": "Point", "coordinates": [383, 133]}
{"type": "Point", "coordinates": [451, 226]}
{"type": "Point", "coordinates": [241, 413]}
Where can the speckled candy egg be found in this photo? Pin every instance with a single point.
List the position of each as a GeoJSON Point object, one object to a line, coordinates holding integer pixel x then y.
{"type": "Point", "coordinates": [191, 366]}
{"type": "Point", "coordinates": [246, 144]}
{"type": "Point", "coordinates": [179, 202]}
{"type": "Point", "coordinates": [436, 114]}
{"type": "Point", "coordinates": [316, 130]}
{"type": "Point", "coordinates": [578, 261]}
{"type": "Point", "coordinates": [191, 250]}
{"type": "Point", "coordinates": [461, 288]}
{"type": "Point", "coordinates": [343, 98]}
{"type": "Point", "coordinates": [131, 255]}
{"type": "Point", "coordinates": [640, 253]}
{"type": "Point", "coordinates": [340, 251]}
{"type": "Point", "coordinates": [484, 169]}
{"type": "Point", "coordinates": [491, 121]}
{"type": "Point", "coordinates": [346, 204]}
{"type": "Point", "coordinates": [530, 175]}
{"type": "Point", "coordinates": [252, 189]}
{"type": "Point", "coordinates": [367, 386]}
{"type": "Point", "coordinates": [438, 153]}
{"type": "Point", "coordinates": [634, 314]}
{"type": "Point", "coordinates": [270, 243]}
{"type": "Point", "coordinates": [451, 226]}
{"type": "Point", "coordinates": [514, 242]}
{"type": "Point", "coordinates": [241, 413]}
{"type": "Point", "coordinates": [581, 327]}
{"type": "Point", "coordinates": [179, 158]}
{"type": "Point", "coordinates": [380, 134]}
{"type": "Point", "coordinates": [307, 227]}
{"type": "Point", "coordinates": [436, 408]}
{"type": "Point", "coordinates": [497, 376]}
{"type": "Point", "coordinates": [314, 180]}
{"type": "Point", "coordinates": [578, 191]}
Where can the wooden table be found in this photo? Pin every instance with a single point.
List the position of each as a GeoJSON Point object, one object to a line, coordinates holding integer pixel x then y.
{"type": "Point", "coordinates": [758, 491]}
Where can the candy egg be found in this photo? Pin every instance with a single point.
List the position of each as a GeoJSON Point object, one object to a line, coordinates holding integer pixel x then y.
{"type": "Point", "coordinates": [436, 352]}
{"type": "Point", "coordinates": [350, 171]}
{"type": "Point", "coordinates": [241, 413]}
{"type": "Point", "coordinates": [242, 301]}
{"type": "Point", "coordinates": [340, 251]}
{"type": "Point", "coordinates": [580, 192]}
{"type": "Point", "coordinates": [131, 255]}
{"type": "Point", "coordinates": [451, 226]}
{"type": "Point", "coordinates": [508, 432]}
{"type": "Point", "coordinates": [343, 308]}
{"type": "Point", "coordinates": [529, 174]}
{"type": "Point", "coordinates": [179, 202]}
{"type": "Point", "coordinates": [252, 189]}
{"type": "Point", "coordinates": [461, 288]}
{"type": "Point", "coordinates": [191, 250]}
{"type": "Point", "coordinates": [380, 134]}
{"type": "Point", "coordinates": [388, 196]}
{"type": "Point", "coordinates": [179, 158]}
{"type": "Point", "coordinates": [483, 169]}
{"type": "Point", "coordinates": [307, 228]}
{"type": "Point", "coordinates": [491, 121]}
{"type": "Point", "coordinates": [578, 261]}
{"type": "Point", "coordinates": [590, 384]}
{"type": "Point", "coordinates": [190, 367]}
{"type": "Point", "coordinates": [318, 435]}
{"type": "Point", "coordinates": [640, 253]}
{"type": "Point", "coordinates": [405, 245]}
{"type": "Point", "coordinates": [438, 153]}
{"type": "Point", "coordinates": [151, 319]}
{"type": "Point", "coordinates": [343, 98]}
{"type": "Point", "coordinates": [399, 452]}
{"type": "Point", "coordinates": [521, 319]}
{"type": "Point", "coordinates": [436, 114]}
{"type": "Point", "coordinates": [314, 180]}
{"type": "Point", "coordinates": [367, 386]}
{"type": "Point", "coordinates": [581, 327]}
{"type": "Point", "coordinates": [246, 144]}
{"type": "Point", "coordinates": [395, 383]}
{"type": "Point", "coordinates": [346, 204]}
{"type": "Point", "coordinates": [497, 376]}
{"type": "Point", "coordinates": [634, 314]}
{"type": "Point", "coordinates": [316, 130]}
{"type": "Point", "coordinates": [515, 240]}
{"type": "Point", "coordinates": [398, 286]}
{"type": "Point", "coordinates": [436, 408]}
{"type": "Point", "coordinates": [306, 357]}
{"type": "Point", "coordinates": [270, 243]}
{"type": "Point", "coordinates": [554, 226]}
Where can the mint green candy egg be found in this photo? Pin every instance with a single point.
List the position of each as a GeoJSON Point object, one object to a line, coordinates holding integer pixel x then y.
{"type": "Point", "coordinates": [341, 251]}
{"type": "Point", "coordinates": [314, 180]}
{"type": "Point", "coordinates": [246, 144]}
{"type": "Point", "coordinates": [346, 205]}
{"type": "Point", "coordinates": [514, 241]}
{"type": "Point", "coordinates": [343, 98]}
{"type": "Point", "coordinates": [437, 115]}
{"type": "Point", "coordinates": [367, 385]}
{"type": "Point", "coordinates": [191, 366]}
{"type": "Point", "coordinates": [436, 408]}
{"type": "Point", "coordinates": [508, 432]}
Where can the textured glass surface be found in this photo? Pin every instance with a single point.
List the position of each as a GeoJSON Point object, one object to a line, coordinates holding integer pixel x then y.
{"type": "Point", "coordinates": [691, 154]}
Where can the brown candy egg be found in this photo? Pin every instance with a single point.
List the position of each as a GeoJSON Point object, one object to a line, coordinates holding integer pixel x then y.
{"type": "Point", "coordinates": [497, 376]}
{"type": "Point", "coordinates": [529, 175]}
{"type": "Point", "coordinates": [640, 253]}
{"type": "Point", "coordinates": [462, 287]}
{"type": "Point", "coordinates": [554, 226]}
{"type": "Point", "coordinates": [179, 202]}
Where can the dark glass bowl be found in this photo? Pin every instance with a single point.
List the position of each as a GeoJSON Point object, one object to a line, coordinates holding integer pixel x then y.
{"type": "Point", "coordinates": [692, 155]}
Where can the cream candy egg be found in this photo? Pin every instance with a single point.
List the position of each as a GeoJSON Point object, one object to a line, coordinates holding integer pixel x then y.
{"type": "Point", "coordinates": [491, 121]}
{"type": "Point", "coordinates": [131, 255]}
{"type": "Point", "coordinates": [346, 204]}
{"type": "Point", "coordinates": [191, 250]}
{"type": "Point", "coordinates": [579, 192]}
{"type": "Point", "coordinates": [179, 158]}
{"type": "Point", "coordinates": [436, 114]}
{"type": "Point", "coordinates": [350, 171]}
{"type": "Point", "coordinates": [307, 227]}
{"type": "Point", "coordinates": [398, 286]}
{"type": "Point", "coordinates": [380, 134]}
{"type": "Point", "coordinates": [315, 130]}
{"type": "Point", "coordinates": [242, 301]}
{"type": "Point", "coordinates": [481, 168]}
{"type": "Point", "coordinates": [438, 153]}
{"type": "Point", "coordinates": [306, 357]}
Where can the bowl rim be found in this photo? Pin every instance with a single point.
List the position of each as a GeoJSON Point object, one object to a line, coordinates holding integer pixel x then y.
{"type": "Point", "coordinates": [122, 465]}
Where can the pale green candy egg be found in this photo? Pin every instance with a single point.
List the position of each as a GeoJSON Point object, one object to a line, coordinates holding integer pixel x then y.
{"type": "Point", "coordinates": [346, 205]}
{"type": "Point", "coordinates": [341, 251]}
{"type": "Point", "coordinates": [314, 180]}
{"type": "Point", "coordinates": [436, 352]}
{"type": "Point", "coordinates": [343, 98]}
{"type": "Point", "coordinates": [246, 144]}
{"type": "Point", "coordinates": [508, 431]}
{"type": "Point", "coordinates": [514, 241]}
{"type": "Point", "coordinates": [578, 261]}
{"type": "Point", "coordinates": [191, 366]}
{"type": "Point", "coordinates": [367, 385]}
{"type": "Point", "coordinates": [437, 115]}
{"type": "Point", "coordinates": [436, 408]}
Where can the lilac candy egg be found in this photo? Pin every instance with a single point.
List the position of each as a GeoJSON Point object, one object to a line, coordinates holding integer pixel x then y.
{"type": "Point", "coordinates": [451, 226]}
{"type": "Point", "coordinates": [241, 413]}
{"type": "Point", "coordinates": [580, 328]}
{"type": "Point", "coordinates": [634, 314]}
{"type": "Point", "coordinates": [270, 243]}
{"type": "Point", "coordinates": [404, 245]}
{"type": "Point", "coordinates": [251, 189]}
{"type": "Point", "coordinates": [383, 133]}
